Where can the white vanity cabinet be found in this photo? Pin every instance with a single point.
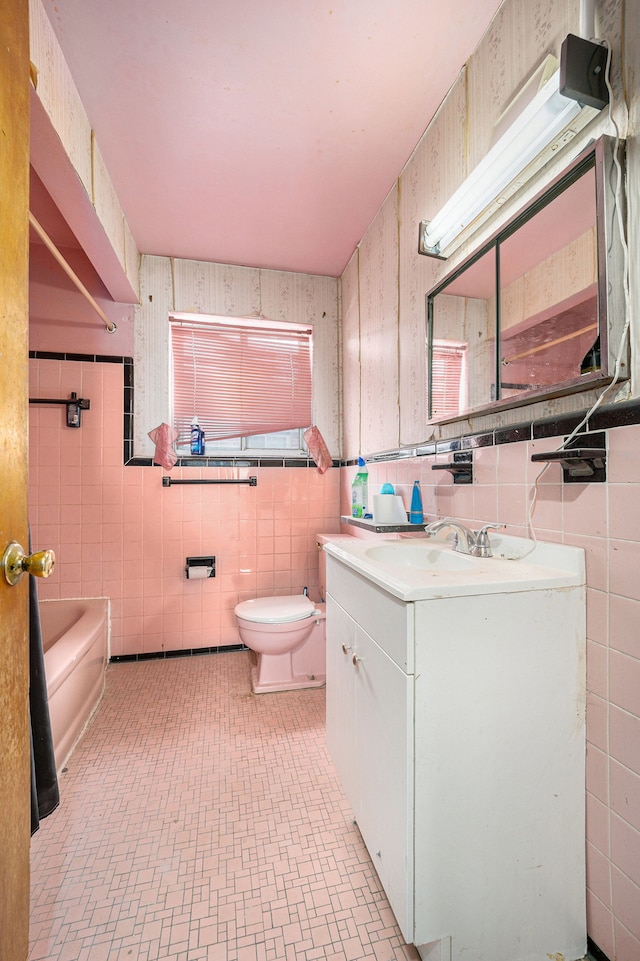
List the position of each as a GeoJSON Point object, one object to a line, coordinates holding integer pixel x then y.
{"type": "Point", "coordinates": [456, 724]}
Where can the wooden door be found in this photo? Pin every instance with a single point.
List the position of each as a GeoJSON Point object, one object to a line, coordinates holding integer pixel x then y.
{"type": "Point", "coordinates": [15, 816]}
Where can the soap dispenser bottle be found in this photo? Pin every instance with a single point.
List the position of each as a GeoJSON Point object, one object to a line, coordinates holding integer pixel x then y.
{"type": "Point", "coordinates": [360, 490]}
{"type": "Point", "coordinates": [415, 514]}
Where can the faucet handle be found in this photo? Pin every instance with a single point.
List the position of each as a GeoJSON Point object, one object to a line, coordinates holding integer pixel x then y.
{"type": "Point", "coordinates": [482, 547]}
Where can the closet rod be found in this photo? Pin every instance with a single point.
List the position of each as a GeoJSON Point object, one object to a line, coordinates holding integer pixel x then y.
{"type": "Point", "coordinates": [170, 481]}
{"type": "Point", "coordinates": [551, 343]}
{"type": "Point", "coordinates": [48, 242]}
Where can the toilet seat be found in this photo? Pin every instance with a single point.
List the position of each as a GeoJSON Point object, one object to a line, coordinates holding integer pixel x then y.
{"type": "Point", "coordinates": [276, 610]}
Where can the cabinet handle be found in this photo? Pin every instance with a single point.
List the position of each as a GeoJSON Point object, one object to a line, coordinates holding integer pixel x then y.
{"type": "Point", "coordinates": [356, 660]}
{"type": "Point", "coordinates": [345, 648]}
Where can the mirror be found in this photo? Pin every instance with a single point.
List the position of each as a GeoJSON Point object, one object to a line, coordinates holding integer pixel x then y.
{"type": "Point", "coordinates": [462, 345]}
{"type": "Point", "coordinates": [530, 314]}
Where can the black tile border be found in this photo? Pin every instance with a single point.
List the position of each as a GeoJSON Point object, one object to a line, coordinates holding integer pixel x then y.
{"type": "Point", "coordinates": [83, 358]}
{"type": "Point", "coordinates": [448, 446]}
{"type": "Point", "coordinates": [127, 426]}
{"type": "Point", "coordinates": [512, 435]}
{"type": "Point", "coordinates": [477, 440]}
{"type": "Point", "coordinates": [179, 652]}
{"type": "Point", "coordinates": [623, 414]}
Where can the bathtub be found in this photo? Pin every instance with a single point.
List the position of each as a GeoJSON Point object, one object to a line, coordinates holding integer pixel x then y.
{"type": "Point", "coordinates": [75, 635]}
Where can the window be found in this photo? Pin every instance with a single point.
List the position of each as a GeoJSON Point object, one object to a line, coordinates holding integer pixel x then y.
{"type": "Point", "coordinates": [448, 377]}
{"type": "Point", "coordinates": [248, 381]}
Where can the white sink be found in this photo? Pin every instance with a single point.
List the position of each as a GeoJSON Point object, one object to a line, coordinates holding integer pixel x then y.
{"type": "Point", "coordinates": [420, 555]}
{"type": "Point", "coordinates": [428, 568]}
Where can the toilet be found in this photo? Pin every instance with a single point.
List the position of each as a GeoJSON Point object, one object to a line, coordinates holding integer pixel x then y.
{"type": "Point", "coordinates": [287, 636]}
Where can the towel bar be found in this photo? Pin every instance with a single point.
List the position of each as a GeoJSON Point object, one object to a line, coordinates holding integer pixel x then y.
{"type": "Point", "coordinates": [170, 481]}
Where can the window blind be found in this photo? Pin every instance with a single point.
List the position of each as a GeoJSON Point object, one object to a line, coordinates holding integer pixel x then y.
{"type": "Point", "coordinates": [239, 377]}
{"type": "Point", "coordinates": [448, 378]}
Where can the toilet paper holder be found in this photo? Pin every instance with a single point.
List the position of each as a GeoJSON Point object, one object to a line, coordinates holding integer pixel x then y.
{"type": "Point", "coordinates": [197, 568]}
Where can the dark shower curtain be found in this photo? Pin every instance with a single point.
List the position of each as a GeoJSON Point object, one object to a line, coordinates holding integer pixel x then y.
{"type": "Point", "coordinates": [44, 782]}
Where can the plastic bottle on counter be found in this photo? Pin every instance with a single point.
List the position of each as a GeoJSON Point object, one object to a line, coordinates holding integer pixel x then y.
{"type": "Point", "coordinates": [360, 490]}
{"type": "Point", "coordinates": [416, 515]}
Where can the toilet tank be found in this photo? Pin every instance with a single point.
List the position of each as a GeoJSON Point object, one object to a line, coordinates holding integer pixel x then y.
{"type": "Point", "coordinates": [321, 540]}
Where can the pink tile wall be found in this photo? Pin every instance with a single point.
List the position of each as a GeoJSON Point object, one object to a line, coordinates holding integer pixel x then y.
{"type": "Point", "coordinates": [118, 533]}
{"type": "Point", "coordinates": [604, 519]}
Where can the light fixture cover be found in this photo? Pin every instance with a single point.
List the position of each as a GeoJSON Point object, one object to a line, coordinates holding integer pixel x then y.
{"type": "Point", "coordinates": [545, 125]}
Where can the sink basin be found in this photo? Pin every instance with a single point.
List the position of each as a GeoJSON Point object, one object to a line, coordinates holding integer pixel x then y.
{"type": "Point", "coordinates": [422, 557]}
{"type": "Point", "coordinates": [415, 569]}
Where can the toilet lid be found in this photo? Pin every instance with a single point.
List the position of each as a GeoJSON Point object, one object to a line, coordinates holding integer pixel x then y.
{"type": "Point", "coordinates": [276, 610]}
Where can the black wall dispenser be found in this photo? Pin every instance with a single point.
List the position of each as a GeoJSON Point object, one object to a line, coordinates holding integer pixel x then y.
{"type": "Point", "coordinates": [75, 405]}
{"type": "Point", "coordinates": [197, 568]}
{"type": "Point", "coordinates": [583, 460]}
{"type": "Point", "coordinates": [461, 467]}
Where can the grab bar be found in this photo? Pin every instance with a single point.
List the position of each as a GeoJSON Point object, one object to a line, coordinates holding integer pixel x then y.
{"type": "Point", "coordinates": [170, 481]}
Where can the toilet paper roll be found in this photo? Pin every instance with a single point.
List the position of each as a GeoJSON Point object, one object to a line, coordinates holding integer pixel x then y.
{"type": "Point", "coordinates": [388, 509]}
{"type": "Point", "coordinates": [195, 573]}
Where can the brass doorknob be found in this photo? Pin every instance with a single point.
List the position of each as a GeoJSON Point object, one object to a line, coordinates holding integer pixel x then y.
{"type": "Point", "coordinates": [15, 563]}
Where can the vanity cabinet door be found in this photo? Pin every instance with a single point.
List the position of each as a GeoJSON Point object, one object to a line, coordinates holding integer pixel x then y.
{"type": "Point", "coordinates": [370, 702]}
{"type": "Point", "coordinates": [340, 696]}
{"type": "Point", "coordinates": [384, 765]}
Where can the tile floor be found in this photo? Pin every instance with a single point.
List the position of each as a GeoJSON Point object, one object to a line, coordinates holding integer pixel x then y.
{"type": "Point", "coordinates": [202, 823]}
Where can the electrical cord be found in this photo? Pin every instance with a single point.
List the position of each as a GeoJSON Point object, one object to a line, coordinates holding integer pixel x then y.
{"type": "Point", "coordinates": [627, 306]}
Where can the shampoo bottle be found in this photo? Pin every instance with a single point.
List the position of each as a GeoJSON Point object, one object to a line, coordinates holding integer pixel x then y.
{"type": "Point", "coordinates": [415, 515]}
{"type": "Point", "coordinates": [197, 437]}
{"type": "Point", "coordinates": [360, 490]}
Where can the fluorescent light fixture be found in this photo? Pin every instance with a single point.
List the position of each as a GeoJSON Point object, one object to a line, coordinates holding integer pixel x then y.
{"type": "Point", "coordinates": [538, 132]}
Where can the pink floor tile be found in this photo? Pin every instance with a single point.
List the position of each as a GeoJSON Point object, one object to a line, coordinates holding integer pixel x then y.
{"type": "Point", "coordinates": [199, 822]}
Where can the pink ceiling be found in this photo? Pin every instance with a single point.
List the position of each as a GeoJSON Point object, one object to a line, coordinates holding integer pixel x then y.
{"type": "Point", "coordinates": [261, 132]}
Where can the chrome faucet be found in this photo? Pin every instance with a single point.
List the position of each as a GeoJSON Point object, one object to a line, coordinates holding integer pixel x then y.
{"type": "Point", "coordinates": [466, 541]}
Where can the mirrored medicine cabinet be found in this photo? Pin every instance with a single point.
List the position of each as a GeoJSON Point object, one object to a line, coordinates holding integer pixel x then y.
{"type": "Point", "coordinates": [538, 310]}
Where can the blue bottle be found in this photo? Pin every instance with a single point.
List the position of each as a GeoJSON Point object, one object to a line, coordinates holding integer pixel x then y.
{"type": "Point", "coordinates": [197, 437]}
{"type": "Point", "coordinates": [415, 514]}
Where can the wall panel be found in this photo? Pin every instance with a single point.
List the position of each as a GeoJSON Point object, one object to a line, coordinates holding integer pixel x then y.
{"type": "Point", "coordinates": [195, 286]}
{"type": "Point", "coordinates": [379, 330]}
